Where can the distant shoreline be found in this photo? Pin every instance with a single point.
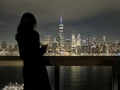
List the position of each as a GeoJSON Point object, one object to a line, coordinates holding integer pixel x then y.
{"type": "Point", "coordinates": [66, 60]}
{"type": "Point", "coordinates": [11, 63]}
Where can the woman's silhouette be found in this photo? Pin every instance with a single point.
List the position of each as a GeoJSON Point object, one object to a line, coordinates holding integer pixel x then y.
{"type": "Point", "coordinates": [34, 70]}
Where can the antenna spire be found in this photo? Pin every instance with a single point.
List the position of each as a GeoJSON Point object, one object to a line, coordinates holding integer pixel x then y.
{"type": "Point", "coordinates": [61, 20]}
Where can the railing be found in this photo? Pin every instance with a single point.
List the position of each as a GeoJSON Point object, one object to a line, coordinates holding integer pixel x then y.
{"type": "Point", "coordinates": [57, 61]}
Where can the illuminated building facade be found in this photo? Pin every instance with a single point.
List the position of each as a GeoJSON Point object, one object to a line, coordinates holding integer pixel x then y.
{"type": "Point", "coordinates": [55, 47]}
{"type": "Point", "coordinates": [72, 46]}
{"type": "Point", "coordinates": [48, 40]}
{"type": "Point", "coordinates": [74, 43]}
{"type": "Point", "coordinates": [78, 44]}
{"type": "Point", "coordinates": [68, 45]}
{"type": "Point", "coordinates": [4, 45]}
{"type": "Point", "coordinates": [61, 36]}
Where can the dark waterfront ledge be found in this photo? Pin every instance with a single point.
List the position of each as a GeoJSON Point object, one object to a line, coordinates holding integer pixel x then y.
{"type": "Point", "coordinates": [57, 61]}
{"type": "Point", "coordinates": [66, 60]}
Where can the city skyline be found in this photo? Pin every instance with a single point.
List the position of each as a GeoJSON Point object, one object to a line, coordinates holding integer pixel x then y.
{"type": "Point", "coordinates": [93, 17]}
{"type": "Point", "coordinates": [74, 46]}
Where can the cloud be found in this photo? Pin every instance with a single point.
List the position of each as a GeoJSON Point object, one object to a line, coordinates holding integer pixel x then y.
{"type": "Point", "coordinates": [68, 8]}
{"type": "Point", "coordinates": [83, 15]}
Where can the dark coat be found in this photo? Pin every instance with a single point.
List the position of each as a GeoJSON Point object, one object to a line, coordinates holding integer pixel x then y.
{"type": "Point", "coordinates": [34, 70]}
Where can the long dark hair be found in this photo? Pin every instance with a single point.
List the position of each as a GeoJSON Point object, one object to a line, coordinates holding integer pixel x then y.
{"type": "Point", "coordinates": [27, 22]}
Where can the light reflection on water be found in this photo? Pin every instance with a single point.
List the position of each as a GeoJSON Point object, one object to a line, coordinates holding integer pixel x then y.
{"type": "Point", "coordinates": [86, 78]}
{"type": "Point", "coordinates": [71, 77]}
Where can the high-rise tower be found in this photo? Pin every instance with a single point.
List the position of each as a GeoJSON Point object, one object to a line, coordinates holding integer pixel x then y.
{"type": "Point", "coordinates": [74, 43]}
{"type": "Point", "coordinates": [61, 35]}
{"type": "Point", "coordinates": [104, 39]}
{"type": "Point", "coordinates": [78, 44]}
{"type": "Point", "coordinates": [78, 40]}
{"type": "Point", "coordinates": [4, 45]}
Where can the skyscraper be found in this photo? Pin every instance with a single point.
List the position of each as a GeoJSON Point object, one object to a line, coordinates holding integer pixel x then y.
{"type": "Point", "coordinates": [61, 35]}
{"type": "Point", "coordinates": [68, 45]}
{"type": "Point", "coordinates": [74, 43]}
{"type": "Point", "coordinates": [78, 44]}
{"type": "Point", "coordinates": [78, 40]}
{"type": "Point", "coordinates": [104, 39]}
{"type": "Point", "coordinates": [4, 45]}
{"type": "Point", "coordinates": [48, 40]}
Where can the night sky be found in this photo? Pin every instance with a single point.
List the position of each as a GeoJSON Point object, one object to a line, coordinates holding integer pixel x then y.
{"type": "Point", "coordinates": [93, 17]}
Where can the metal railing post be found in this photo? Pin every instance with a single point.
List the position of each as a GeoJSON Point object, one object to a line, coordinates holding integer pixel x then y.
{"type": "Point", "coordinates": [57, 78]}
{"type": "Point", "coordinates": [115, 77]}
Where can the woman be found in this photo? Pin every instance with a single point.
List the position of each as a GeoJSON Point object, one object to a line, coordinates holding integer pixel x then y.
{"type": "Point", "coordinates": [34, 70]}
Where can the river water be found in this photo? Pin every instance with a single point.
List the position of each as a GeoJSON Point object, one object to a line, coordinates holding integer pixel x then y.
{"type": "Point", "coordinates": [71, 77]}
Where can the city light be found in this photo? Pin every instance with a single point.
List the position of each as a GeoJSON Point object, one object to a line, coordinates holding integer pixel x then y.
{"type": "Point", "coordinates": [12, 86]}
{"type": "Point", "coordinates": [74, 46]}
